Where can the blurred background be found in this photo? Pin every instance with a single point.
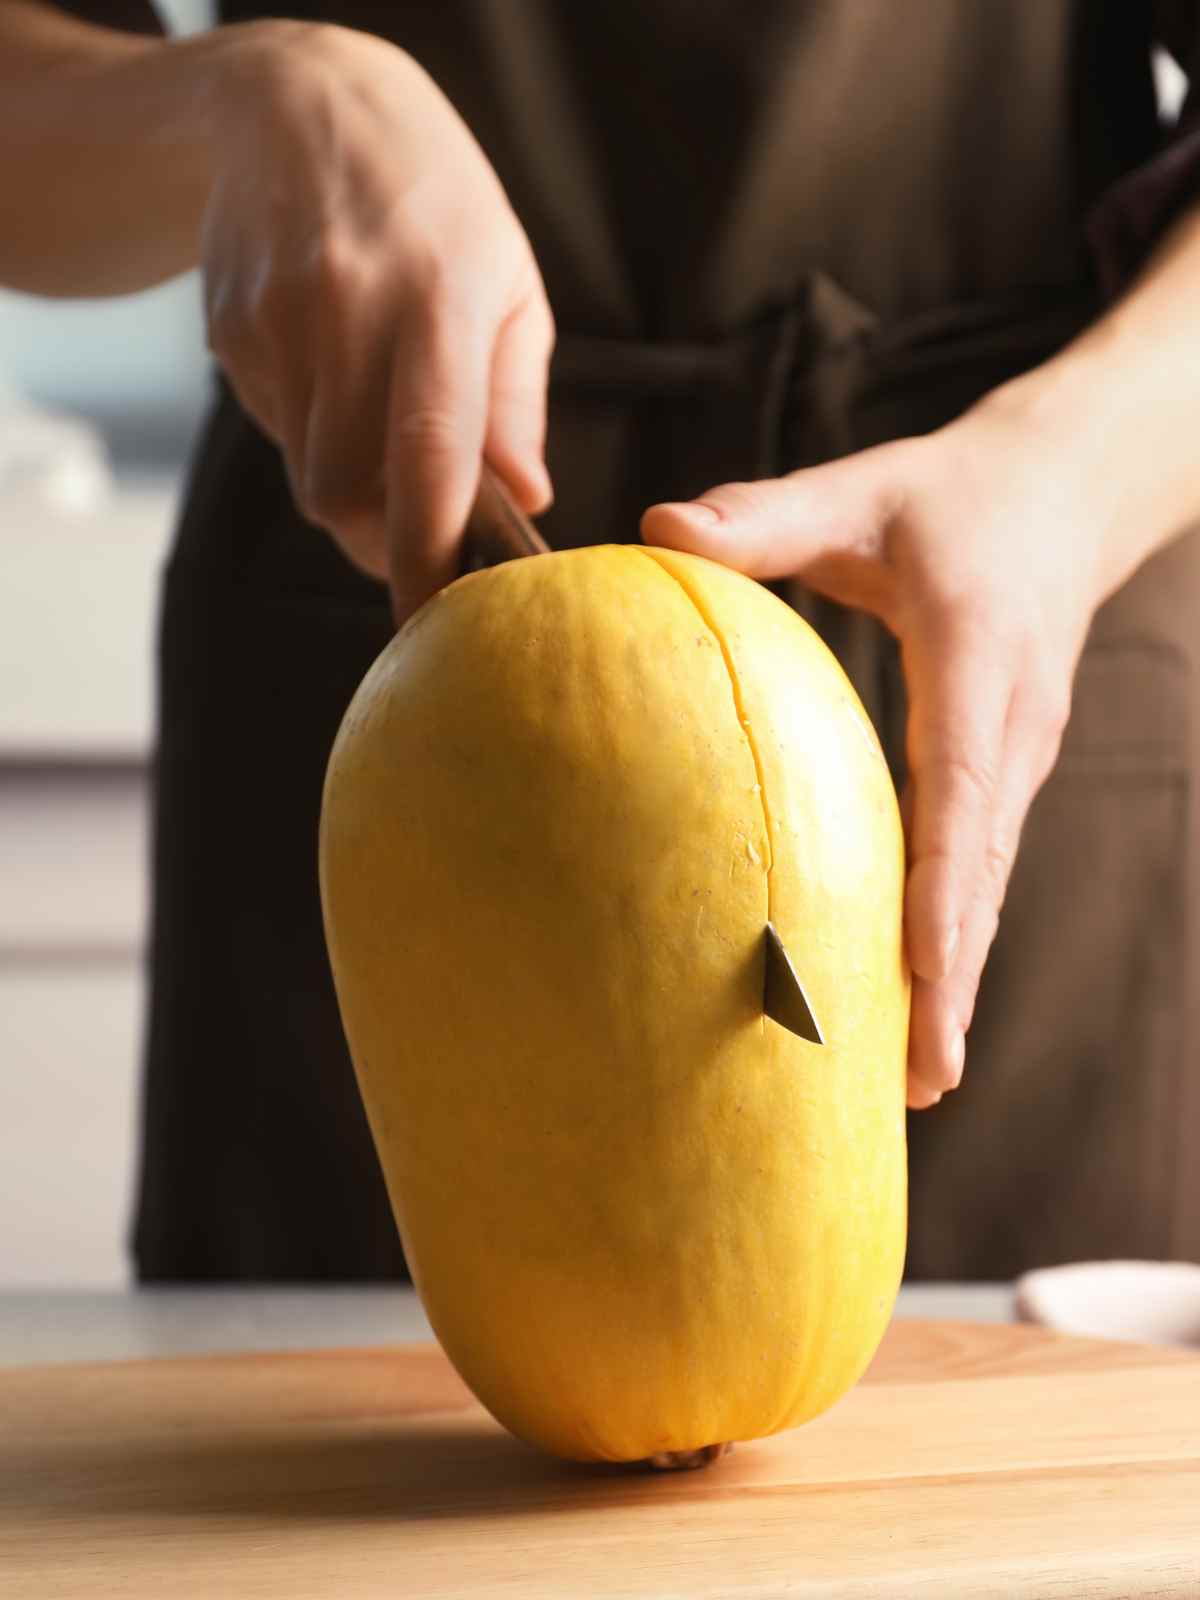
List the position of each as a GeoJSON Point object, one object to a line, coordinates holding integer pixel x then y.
{"type": "Point", "coordinates": [99, 403]}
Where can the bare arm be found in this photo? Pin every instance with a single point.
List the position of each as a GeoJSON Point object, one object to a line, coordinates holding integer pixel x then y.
{"type": "Point", "coordinates": [105, 145]}
{"type": "Point", "coordinates": [1122, 404]}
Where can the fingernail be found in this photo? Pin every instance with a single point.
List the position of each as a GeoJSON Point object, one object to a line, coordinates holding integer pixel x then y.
{"type": "Point", "coordinates": [694, 510]}
{"type": "Point", "coordinates": [949, 950]}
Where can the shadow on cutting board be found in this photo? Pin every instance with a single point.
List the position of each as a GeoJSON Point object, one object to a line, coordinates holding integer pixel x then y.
{"type": "Point", "coordinates": [463, 1468]}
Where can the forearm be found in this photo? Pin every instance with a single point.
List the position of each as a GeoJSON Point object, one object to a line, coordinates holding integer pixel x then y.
{"type": "Point", "coordinates": [105, 150]}
{"type": "Point", "coordinates": [1121, 407]}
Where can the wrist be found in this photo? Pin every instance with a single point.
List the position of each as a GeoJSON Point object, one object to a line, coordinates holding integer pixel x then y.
{"type": "Point", "coordinates": [219, 84]}
{"type": "Point", "coordinates": [105, 123]}
{"type": "Point", "coordinates": [1085, 423]}
{"type": "Point", "coordinates": [1117, 408]}
{"type": "Point", "coordinates": [125, 132]}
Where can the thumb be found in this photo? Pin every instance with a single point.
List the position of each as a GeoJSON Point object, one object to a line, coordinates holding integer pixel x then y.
{"type": "Point", "coordinates": [782, 527]}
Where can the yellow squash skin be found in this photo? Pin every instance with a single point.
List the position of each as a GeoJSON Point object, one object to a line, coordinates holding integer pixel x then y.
{"type": "Point", "coordinates": [560, 809]}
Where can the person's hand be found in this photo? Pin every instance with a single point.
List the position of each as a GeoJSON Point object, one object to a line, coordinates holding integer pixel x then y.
{"type": "Point", "coordinates": [978, 550]}
{"type": "Point", "coordinates": [371, 296]}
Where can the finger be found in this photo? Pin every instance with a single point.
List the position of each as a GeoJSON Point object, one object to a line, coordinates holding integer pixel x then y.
{"type": "Point", "coordinates": [906, 815]}
{"type": "Point", "coordinates": [1030, 754]}
{"type": "Point", "coordinates": [229, 335]}
{"type": "Point", "coordinates": [960, 681]}
{"type": "Point", "coordinates": [942, 1011]}
{"type": "Point", "coordinates": [937, 1045]}
{"type": "Point", "coordinates": [437, 415]}
{"type": "Point", "coordinates": [920, 1097]}
{"type": "Point", "coordinates": [342, 473]}
{"type": "Point", "coordinates": [251, 323]}
{"type": "Point", "coordinates": [780, 526]}
{"type": "Point", "coordinates": [516, 431]}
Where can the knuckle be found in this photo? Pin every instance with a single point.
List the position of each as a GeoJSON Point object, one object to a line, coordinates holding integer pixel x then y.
{"type": "Point", "coordinates": [440, 288]}
{"type": "Point", "coordinates": [442, 315]}
{"type": "Point", "coordinates": [335, 265]}
{"type": "Point", "coordinates": [458, 312]}
{"type": "Point", "coordinates": [428, 276]}
{"type": "Point", "coordinates": [428, 430]}
{"type": "Point", "coordinates": [956, 613]}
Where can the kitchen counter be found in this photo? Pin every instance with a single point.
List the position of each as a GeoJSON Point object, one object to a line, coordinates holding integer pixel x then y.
{"type": "Point", "coordinates": [78, 1325]}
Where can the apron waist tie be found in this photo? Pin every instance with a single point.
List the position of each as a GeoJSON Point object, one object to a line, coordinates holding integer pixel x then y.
{"type": "Point", "coordinates": [728, 395]}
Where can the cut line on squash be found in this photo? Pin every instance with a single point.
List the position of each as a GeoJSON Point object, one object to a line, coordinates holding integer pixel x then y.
{"type": "Point", "coordinates": [739, 704]}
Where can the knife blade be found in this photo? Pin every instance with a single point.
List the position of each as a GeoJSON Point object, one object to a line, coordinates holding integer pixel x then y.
{"type": "Point", "coordinates": [497, 529]}
{"type": "Point", "coordinates": [784, 1000]}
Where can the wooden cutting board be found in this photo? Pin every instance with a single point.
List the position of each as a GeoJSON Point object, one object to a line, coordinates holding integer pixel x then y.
{"type": "Point", "coordinates": [972, 1461]}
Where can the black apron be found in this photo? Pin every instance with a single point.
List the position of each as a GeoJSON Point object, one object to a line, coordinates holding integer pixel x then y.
{"type": "Point", "coordinates": [771, 235]}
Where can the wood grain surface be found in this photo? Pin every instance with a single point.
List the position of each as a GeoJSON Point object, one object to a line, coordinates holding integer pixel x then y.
{"type": "Point", "coordinates": [972, 1461]}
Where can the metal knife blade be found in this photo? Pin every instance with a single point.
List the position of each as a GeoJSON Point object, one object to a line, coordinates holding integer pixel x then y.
{"type": "Point", "coordinates": [497, 529]}
{"type": "Point", "coordinates": [784, 1000]}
